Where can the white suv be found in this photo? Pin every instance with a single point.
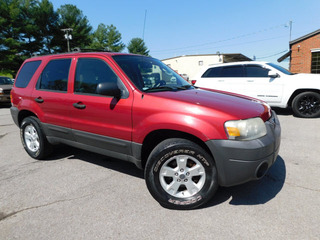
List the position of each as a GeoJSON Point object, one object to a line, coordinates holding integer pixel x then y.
{"type": "Point", "coordinates": [266, 81]}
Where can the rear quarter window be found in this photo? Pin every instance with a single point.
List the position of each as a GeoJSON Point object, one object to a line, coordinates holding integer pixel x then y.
{"type": "Point", "coordinates": [26, 73]}
{"type": "Point", "coordinates": [212, 72]}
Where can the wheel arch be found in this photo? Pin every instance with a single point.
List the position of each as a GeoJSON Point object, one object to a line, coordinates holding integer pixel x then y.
{"type": "Point", "coordinates": [157, 136]}
{"type": "Point", "coordinates": [23, 114]}
{"type": "Point", "coordinates": [298, 91]}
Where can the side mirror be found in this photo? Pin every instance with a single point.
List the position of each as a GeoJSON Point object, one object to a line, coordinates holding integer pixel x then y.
{"type": "Point", "coordinates": [273, 74]}
{"type": "Point", "coordinates": [109, 89]}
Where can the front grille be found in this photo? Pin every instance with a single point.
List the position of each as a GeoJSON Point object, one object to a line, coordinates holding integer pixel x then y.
{"type": "Point", "coordinates": [7, 91]}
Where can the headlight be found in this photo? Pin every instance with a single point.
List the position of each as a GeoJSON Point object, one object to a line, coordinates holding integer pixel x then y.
{"type": "Point", "coordinates": [1, 91]}
{"type": "Point", "coordinates": [245, 129]}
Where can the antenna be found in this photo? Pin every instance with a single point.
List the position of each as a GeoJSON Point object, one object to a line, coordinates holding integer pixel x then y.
{"type": "Point", "coordinates": [144, 23]}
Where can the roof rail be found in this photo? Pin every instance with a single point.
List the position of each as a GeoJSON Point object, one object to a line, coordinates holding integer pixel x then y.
{"type": "Point", "coordinates": [77, 49]}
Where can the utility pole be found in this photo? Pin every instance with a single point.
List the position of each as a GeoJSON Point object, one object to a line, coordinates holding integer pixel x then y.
{"type": "Point", "coordinates": [67, 36]}
{"type": "Point", "coordinates": [290, 27]}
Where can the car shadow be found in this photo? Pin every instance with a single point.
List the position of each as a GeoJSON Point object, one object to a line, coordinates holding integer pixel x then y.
{"type": "Point", "coordinates": [64, 151]}
{"type": "Point", "coordinates": [251, 193]}
{"type": "Point", "coordinates": [5, 105]}
{"type": "Point", "coordinates": [254, 192]}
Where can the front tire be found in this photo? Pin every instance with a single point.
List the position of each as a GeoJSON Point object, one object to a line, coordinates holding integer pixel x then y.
{"type": "Point", "coordinates": [33, 139]}
{"type": "Point", "coordinates": [180, 174]}
{"type": "Point", "coordinates": [306, 105]}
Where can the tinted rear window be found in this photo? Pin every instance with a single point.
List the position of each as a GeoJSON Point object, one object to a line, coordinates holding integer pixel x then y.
{"type": "Point", "coordinates": [26, 74]}
{"type": "Point", "coordinates": [55, 75]}
{"type": "Point", "coordinates": [233, 71]}
{"type": "Point", "coordinates": [212, 72]}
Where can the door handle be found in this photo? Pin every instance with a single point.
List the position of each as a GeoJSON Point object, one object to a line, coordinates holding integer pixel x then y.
{"type": "Point", "coordinates": [79, 105]}
{"type": "Point", "coordinates": [39, 100]}
{"type": "Point", "coordinates": [250, 80]}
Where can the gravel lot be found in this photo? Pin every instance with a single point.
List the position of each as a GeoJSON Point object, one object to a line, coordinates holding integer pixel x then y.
{"type": "Point", "coordinates": [81, 195]}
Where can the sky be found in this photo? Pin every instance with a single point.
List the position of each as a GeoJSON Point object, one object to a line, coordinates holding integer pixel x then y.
{"type": "Point", "coordinates": [254, 28]}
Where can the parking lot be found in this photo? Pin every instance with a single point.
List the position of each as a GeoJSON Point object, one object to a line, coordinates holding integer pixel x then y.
{"type": "Point", "coordinates": [81, 195]}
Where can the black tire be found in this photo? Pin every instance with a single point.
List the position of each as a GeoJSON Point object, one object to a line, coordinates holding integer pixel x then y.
{"type": "Point", "coordinates": [33, 139]}
{"type": "Point", "coordinates": [188, 189]}
{"type": "Point", "coordinates": [306, 105]}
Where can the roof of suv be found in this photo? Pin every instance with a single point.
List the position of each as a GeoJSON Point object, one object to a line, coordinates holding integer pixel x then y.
{"type": "Point", "coordinates": [236, 63]}
{"type": "Point", "coordinates": [72, 54]}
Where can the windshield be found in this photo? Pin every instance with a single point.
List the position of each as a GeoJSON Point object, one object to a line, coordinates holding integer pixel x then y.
{"type": "Point", "coordinates": [281, 69]}
{"type": "Point", "coordinates": [5, 80]}
{"type": "Point", "coordinates": [151, 75]}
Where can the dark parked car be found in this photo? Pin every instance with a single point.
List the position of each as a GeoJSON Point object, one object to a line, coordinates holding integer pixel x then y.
{"type": "Point", "coordinates": [6, 84]}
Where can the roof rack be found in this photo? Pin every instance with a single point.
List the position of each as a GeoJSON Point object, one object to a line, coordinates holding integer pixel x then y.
{"type": "Point", "coordinates": [77, 49]}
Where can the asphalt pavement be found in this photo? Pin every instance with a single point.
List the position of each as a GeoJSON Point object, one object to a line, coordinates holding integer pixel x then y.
{"type": "Point", "coordinates": [81, 195]}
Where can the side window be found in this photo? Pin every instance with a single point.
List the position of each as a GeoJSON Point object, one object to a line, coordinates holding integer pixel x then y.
{"type": "Point", "coordinates": [55, 75]}
{"type": "Point", "coordinates": [232, 71]}
{"type": "Point", "coordinates": [256, 71]}
{"type": "Point", "coordinates": [90, 72]}
{"type": "Point", "coordinates": [212, 72]}
{"type": "Point", "coordinates": [26, 73]}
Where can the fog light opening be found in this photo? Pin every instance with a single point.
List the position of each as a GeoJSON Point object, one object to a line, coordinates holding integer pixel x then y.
{"type": "Point", "coordinates": [262, 169]}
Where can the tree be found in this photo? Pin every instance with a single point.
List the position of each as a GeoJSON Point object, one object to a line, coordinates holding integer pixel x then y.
{"type": "Point", "coordinates": [99, 37]}
{"type": "Point", "coordinates": [114, 43]}
{"type": "Point", "coordinates": [12, 37]}
{"type": "Point", "coordinates": [26, 27]}
{"type": "Point", "coordinates": [107, 37]}
{"type": "Point", "coordinates": [137, 46]}
{"type": "Point", "coordinates": [72, 17]}
{"type": "Point", "coordinates": [46, 19]}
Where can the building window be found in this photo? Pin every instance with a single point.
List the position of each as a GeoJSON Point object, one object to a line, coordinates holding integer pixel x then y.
{"type": "Point", "coordinates": [200, 63]}
{"type": "Point", "coordinates": [315, 62]}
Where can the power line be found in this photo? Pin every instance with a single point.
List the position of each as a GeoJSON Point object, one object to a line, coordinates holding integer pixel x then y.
{"type": "Point", "coordinates": [220, 41]}
{"type": "Point", "coordinates": [275, 54]}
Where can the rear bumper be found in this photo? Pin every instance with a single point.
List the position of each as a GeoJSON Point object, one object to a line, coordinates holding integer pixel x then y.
{"type": "Point", "coordinates": [14, 114]}
{"type": "Point", "coordinates": [241, 161]}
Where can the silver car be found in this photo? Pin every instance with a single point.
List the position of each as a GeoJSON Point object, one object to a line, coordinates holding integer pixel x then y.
{"type": "Point", "coordinates": [6, 84]}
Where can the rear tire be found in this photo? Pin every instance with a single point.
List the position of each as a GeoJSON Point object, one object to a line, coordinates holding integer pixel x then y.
{"type": "Point", "coordinates": [180, 174]}
{"type": "Point", "coordinates": [306, 105]}
{"type": "Point", "coordinates": [33, 139]}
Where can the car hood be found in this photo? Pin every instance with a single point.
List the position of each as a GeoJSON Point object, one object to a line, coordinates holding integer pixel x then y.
{"type": "Point", "coordinates": [307, 79]}
{"type": "Point", "coordinates": [219, 103]}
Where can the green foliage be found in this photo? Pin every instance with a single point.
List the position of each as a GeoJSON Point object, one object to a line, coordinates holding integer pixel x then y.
{"type": "Point", "coordinates": [99, 38]}
{"type": "Point", "coordinates": [108, 38]}
{"type": "Point", "coordinates": [72, 17]}
{"type": "Point", "coordinates": [33, 26]}
{"type": "Point", "coordinates": [137, 46]}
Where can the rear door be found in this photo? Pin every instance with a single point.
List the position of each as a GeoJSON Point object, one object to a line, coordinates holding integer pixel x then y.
{"type": "Point", "coordinates": [51, 97]}
{"type": "Point", "coordinates": [97, 120]}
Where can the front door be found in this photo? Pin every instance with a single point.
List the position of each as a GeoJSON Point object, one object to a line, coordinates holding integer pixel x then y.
{"type": "Point", "coordinates": [100, 121]}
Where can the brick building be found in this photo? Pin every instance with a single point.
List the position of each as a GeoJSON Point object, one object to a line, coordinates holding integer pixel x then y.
{"type": "Point", "coordinates": [304, 54]}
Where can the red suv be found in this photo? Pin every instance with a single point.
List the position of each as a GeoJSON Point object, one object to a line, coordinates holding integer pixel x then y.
{"type": "Point", "coordinates": [135, 108]}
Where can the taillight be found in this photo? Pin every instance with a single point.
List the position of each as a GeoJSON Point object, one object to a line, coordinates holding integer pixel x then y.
{"type": "Point", "coordinates": [193, 82]}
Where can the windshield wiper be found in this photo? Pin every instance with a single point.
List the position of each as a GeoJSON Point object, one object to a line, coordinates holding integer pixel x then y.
{"type": "Point", "coordinates": [161, 88]}
{"type": "Point", "coordinates": [184, 87]}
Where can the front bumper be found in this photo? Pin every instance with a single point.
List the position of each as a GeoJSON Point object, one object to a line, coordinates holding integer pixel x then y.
{"type": "Point", "coordinates": [241, 161]}
{"type": "Point", "coordinates": [5, 99]}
